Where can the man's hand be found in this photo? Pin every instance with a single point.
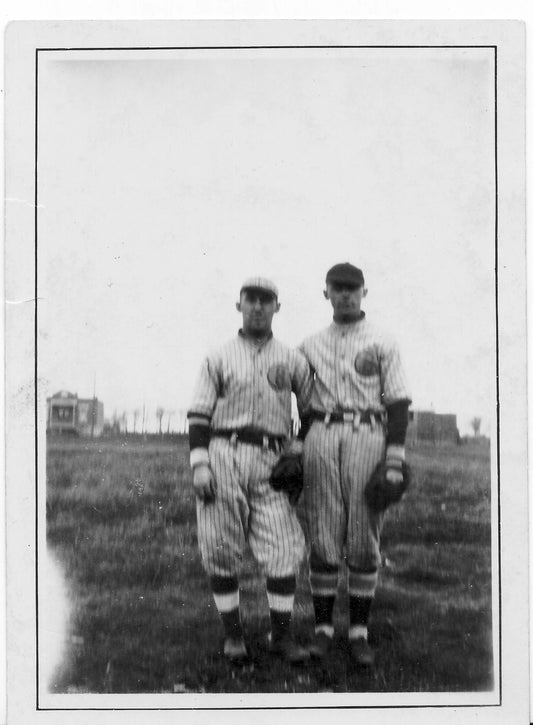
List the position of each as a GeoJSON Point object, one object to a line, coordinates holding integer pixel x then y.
{"type": "Point", "coordinates": [204, 483]}
{"type": "Point", "coordinates": [381, 491]}
{"type": "Point", "coordinates": [394, 464]}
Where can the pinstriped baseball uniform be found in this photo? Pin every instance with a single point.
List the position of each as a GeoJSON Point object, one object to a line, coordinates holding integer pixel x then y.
{"type": "Point", "coordinates": [247, 508]}
{"type": "Point", "coordinates": [244, 385]}
{"type": "Point", "coordinates": [247, 385]}
{"type": "Point", "coordinates": [239, 423]}
{"type": "Point", "coordinates": [356, 368]}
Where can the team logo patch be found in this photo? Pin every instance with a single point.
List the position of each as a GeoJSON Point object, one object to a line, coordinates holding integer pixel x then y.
{"type": "Point", "coordinates": [367, 363]}
{"type": "Point", "coordinates": [279, 377]}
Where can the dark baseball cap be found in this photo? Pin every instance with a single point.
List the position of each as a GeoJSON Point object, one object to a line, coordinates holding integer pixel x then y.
{"type": "Point", "coordinates": [345, 274]}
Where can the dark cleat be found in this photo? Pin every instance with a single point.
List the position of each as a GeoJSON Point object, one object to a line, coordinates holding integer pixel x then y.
{"type": "Point", "coordinates": [235, 650]}
{"type": "Point", "coordinates": [361, 652]}
{"type": "Point", "coordinates": [289, 650]}
{"type": "Point", "coordinates": [321, 646]}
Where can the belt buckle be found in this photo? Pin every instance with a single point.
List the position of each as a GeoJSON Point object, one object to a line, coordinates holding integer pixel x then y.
{"type": "Point", "coordinates": [348, 416]}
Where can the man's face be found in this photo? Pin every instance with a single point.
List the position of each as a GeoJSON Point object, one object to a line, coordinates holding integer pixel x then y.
{"type": "Point", "coordinates": [345, 300]}
{"type": "Point", "coordinates": [258, 308]}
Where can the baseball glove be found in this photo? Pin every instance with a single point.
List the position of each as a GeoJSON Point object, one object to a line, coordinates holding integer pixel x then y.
{"type": "Point", "coordinates": [287, 476]}
{"type": "Point", "coordinates": [380, 493]}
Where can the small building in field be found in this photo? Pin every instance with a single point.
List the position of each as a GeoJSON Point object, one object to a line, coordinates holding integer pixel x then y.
{"type": "Point", "coordinates": [66, 413]}
{"type": "Point", "coordinates": [432, 427]}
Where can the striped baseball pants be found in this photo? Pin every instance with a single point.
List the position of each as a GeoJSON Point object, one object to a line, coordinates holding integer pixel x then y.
{"type": "Point", "coordinates": [247, 508]}
{"type": "Point", "coordinates": [338, 461]}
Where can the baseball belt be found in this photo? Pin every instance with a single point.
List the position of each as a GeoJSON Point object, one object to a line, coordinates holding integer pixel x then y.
{"type": "Point", "coordinates": [369, 417]}
{"type": "Point", "coordinates": [253, 437]}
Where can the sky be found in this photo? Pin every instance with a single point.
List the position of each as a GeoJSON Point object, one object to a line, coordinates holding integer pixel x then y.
{"type": "Point", "coordinates": [166, 178]}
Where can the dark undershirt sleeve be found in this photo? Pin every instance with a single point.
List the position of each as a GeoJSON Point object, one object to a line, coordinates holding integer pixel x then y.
{"type": "Point", "coordinates": [199, 431]}
{"type": "Point", "coordinates": [397, 421]}
{"type": "Point", "coordinates": [305, 424]}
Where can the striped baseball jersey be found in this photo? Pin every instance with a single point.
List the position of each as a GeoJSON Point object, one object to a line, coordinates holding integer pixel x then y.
{"type": "Point", "coordinates": [355, 367]}
{"type": "Point", "coordinates": [246, 385]}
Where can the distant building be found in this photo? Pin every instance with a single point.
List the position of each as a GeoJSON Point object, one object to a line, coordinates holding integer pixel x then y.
{"type": "Point", "coordinates": [66, 413]}
{"type": "Point", "coordinates": [432, 427]}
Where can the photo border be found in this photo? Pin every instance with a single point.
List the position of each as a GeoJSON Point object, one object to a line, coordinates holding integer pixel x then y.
{"type": "Point", "coordinates": [274, 47]}
{"type": "Point", "coordinates": [22, 38]}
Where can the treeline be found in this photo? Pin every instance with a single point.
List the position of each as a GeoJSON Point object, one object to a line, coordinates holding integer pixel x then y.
{"type": "Point", "coordinates": [141, 421]}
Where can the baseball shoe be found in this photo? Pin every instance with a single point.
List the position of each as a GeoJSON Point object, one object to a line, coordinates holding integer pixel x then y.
{"type": "Point", "coordinates": [235, 650]}
{"type": "Point", "coordinates": [361, 652]}
{"type": "Point", "coordinates": [321, 646]}
{"type": "Point", "coordinates": [288, 649]}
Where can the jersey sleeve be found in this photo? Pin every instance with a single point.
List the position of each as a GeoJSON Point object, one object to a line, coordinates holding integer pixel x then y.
{"type": "Point", "coordinates": [206, 390]}
{"type": "Point", "coordinates": [302, 383]}
{"type": "Point", "coordinates": [396, 398]}
{"type": "Point", "coordinates": [302, 388]}
{"type": "Point", "coordinates": [200, 412]}
{"type": "Point", "coordinates": [393, 379]}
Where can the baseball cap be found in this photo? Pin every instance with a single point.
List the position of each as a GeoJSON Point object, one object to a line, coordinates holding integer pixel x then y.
{"type": "Point", "coordinates": [260, 283]}
{"type": "Point", "coordinates": [347, 274]}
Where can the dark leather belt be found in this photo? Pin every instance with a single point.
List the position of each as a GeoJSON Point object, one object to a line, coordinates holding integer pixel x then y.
{"type": "Point", "coordinates": [251, 436]}
{"type": "Point", "coordinates": [349, 416]}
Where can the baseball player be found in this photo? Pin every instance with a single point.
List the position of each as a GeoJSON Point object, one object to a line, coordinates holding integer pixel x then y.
{"type": "Point", "coordinates": [239, 423]}
{"type": "Point", "coordinates": [358, 417]}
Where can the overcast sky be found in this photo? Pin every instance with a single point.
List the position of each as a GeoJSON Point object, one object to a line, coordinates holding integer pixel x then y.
{"type": "Point", "coordinates": [166, 178]}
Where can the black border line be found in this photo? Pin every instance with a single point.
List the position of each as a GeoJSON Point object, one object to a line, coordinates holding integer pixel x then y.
{"type": "Point", "coordinates": [496, 223]}
{"type": "Point", "coordinates": [273, 47]}
{"type": "Point", "coordinates": [272, 707]}
{"type": "Point", "coordinates": [35, 330]}
{"type": "Point", "coordinates": [259, 47]}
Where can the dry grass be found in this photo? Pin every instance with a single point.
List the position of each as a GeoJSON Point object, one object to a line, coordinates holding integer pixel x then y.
{"type": "Point", "coordinates": [120, 516]}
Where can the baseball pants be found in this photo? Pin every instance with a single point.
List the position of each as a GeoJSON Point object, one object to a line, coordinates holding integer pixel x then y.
{"type": "Point", "coordinates": [338, 461]}
{"type": "Point", "coordinates": [246, 508]}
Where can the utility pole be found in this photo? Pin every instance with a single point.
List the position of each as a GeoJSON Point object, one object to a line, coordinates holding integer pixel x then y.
{"type": "Point", "coordinates": [93, 411]}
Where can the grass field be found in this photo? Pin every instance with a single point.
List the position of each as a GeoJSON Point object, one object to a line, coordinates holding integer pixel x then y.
{"type": "Point", "coordinates": [121, 520]}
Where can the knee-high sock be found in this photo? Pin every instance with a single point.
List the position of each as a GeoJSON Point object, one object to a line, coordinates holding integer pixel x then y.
{"type": "Point", "coordinates": [361, 587]}
{"type": "Point", "coordinates": [323, 579]}
{"type": "Point", "coordinates": [226, 595]}
{"type": "Point", "coordinates": [359, 613]}
{"type": "Point", "coordinates": [324, 614]}
{"type": "Point", "coordinates": [280, 594]}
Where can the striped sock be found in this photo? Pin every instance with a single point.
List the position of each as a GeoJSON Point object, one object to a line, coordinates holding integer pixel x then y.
{"type": "Point", "coordinates": [280, 595]}
{"type": "Point", "coordinates": [359, 614]}
{"type": "Point", "coordinates": [280, 623]}
{"type": "Point", "coordinates": [231, 621]}
{"type": "Point", "coordinates": [324, 614]}
{"type": "Point", "coordinates": [226, 595]}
